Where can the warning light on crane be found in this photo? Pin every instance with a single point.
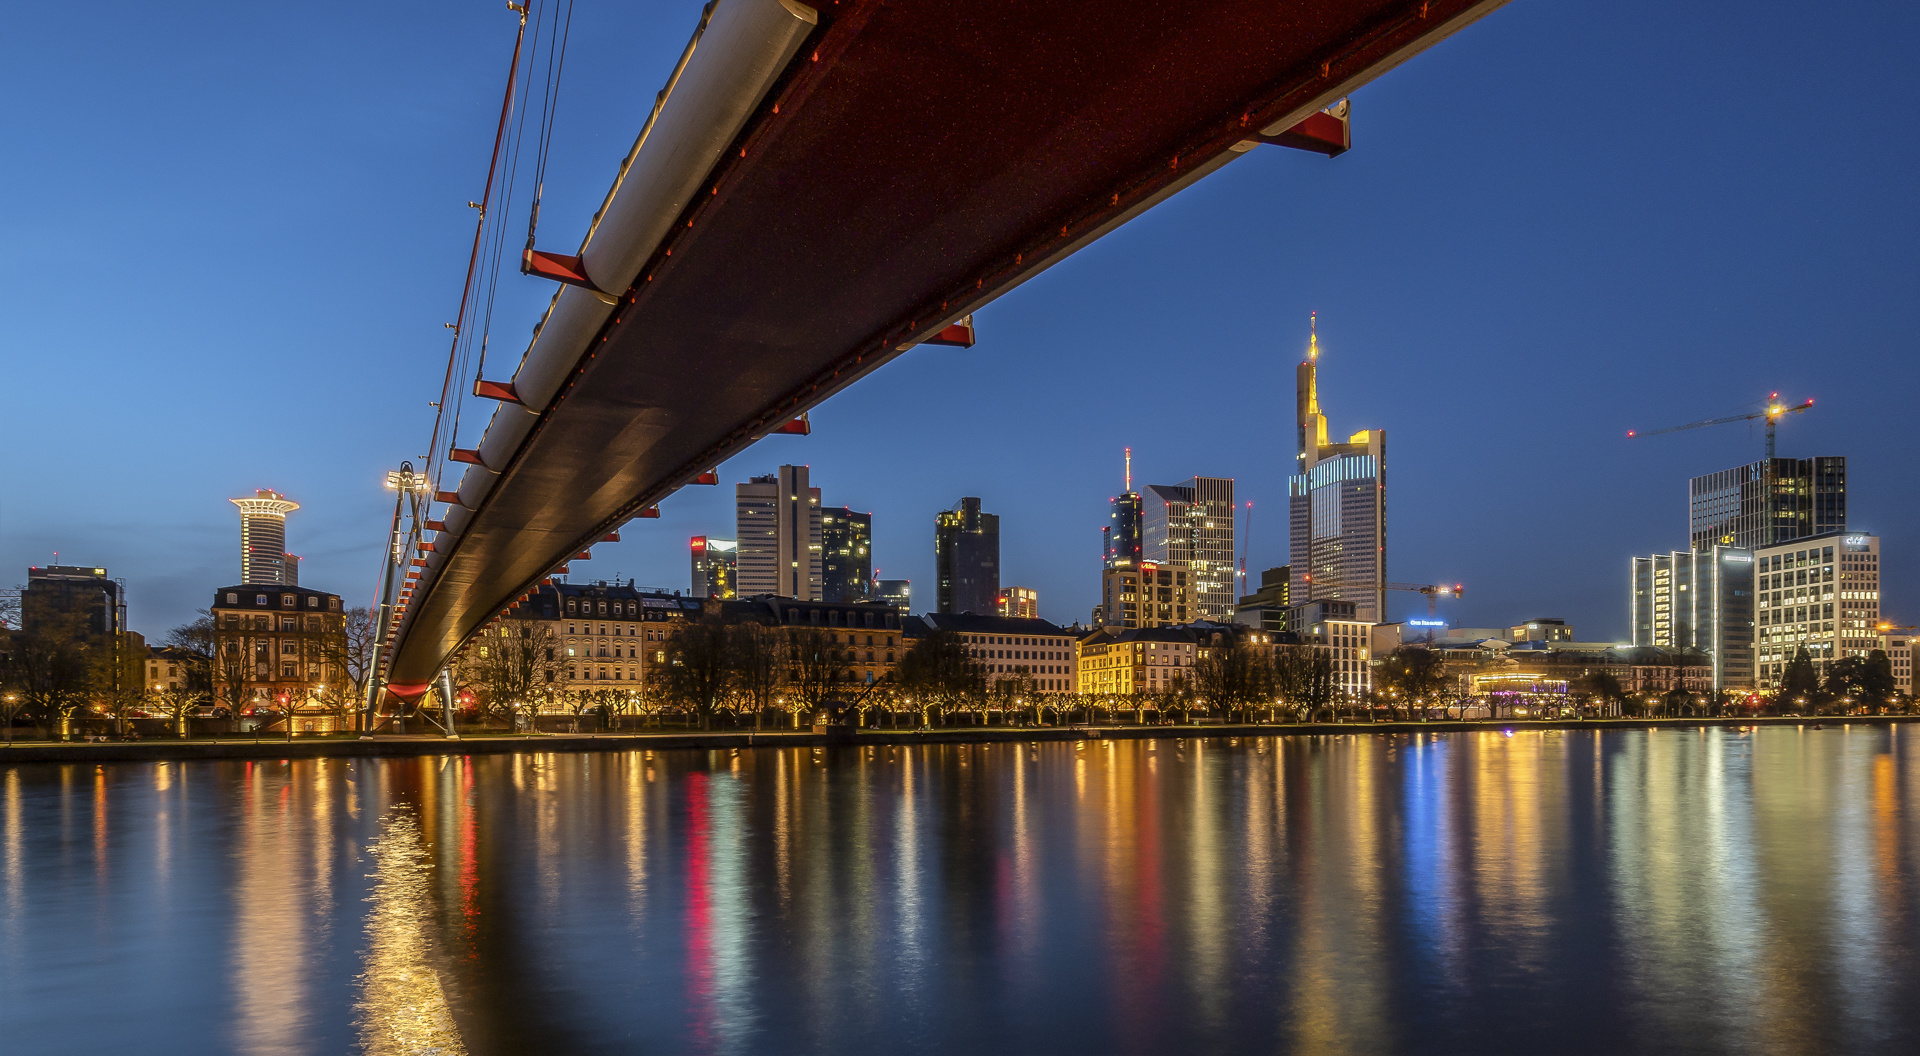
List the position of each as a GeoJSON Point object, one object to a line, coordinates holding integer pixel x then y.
{"type": "Point", "coordinates": [1772, 412]}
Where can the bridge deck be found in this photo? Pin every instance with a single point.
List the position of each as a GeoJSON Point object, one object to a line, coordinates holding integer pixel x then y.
{"type": "Point", "coordinates": [916, 160]}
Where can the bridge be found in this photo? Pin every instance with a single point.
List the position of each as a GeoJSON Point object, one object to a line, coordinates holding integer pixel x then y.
{"type": "Point", "coordinates": [822, 186]}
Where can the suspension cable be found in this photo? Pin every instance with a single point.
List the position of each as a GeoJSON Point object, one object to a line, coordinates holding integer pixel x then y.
{"type": "Point", "coordinates": [506, 108]}
{"type": "Point", "coordinates": [549, 106]}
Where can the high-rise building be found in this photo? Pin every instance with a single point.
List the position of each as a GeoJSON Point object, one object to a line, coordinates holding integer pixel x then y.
{"type": "Point", "coordinates": [1147, 595]}
{"type": "Point", "coordinates": [263, 540]}
{"type": "Point", "coordinates": [778, 518]}
{"type": "Point", "coordinates": [1336, 506]}
{"type": "Point", "coordinates": [92, 604]}
{"type": "Point", "coordinates": [716, 567]}
{"type": "Point", "coordinates": [1768, 502]}
{"type": "Point", "coordinates": [1821, 593]}
{"type": "Point", "coordinates": [1899, 647]}
{"type": "Point", "coordinates": [897, 593]}
{"type": "Point", "coordinates": [1123, 540]}
{"type": "Point", "coordinates": [1020, 603]}
{"type": "Point", "coordinates": [1190, 526]}
{"type": "Point", "coordinates": [1266, 608]}
{"type": "Point", "coordinates": [846, 555]}
{"type": "Point", "coordinates": [1700, 600]}
{"type": "Point", "coordinates": [966, 557]}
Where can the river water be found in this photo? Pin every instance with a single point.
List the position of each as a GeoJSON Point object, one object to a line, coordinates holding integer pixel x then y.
{"type": "Point", "coordinates": [1544, 891]}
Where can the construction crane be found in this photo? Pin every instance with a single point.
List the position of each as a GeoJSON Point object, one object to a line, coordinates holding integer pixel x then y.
{"type": "Point", "coordinates": [1772, 412]}
{"type": "Point", "coordinates": [1433, 591]}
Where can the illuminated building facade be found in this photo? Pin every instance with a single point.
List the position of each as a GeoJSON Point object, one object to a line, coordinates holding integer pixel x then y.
{"type": "Point", "coordinates": [846, 555]}
{"type": "Point", "coordinates": [716, 567]}
{"type": "Point", "coordinates": [1122, 662]}
{"type": "Point", "coordinates": [1821, 593]}
{"type": "Point", "coordinates": [1010, 646]}
{"type": "Point", "coordinates": [1336, 506]}
{"type": "Point", "coordinates": [1542, 629]}
{"type": "Point", "coordinates": [867, 640]}
{"type": "Point", "coordinates": [263, 540]}
{"type": "Point", "coordinates": [897, 593]}
{"type": "Point", "coordinates": [1149, 595]}
{"type": "Point", "coordinates": [1266, 608]}
{"type": "Point", "coordinates": [281, 647]}
{"type": "Point", "coordinates": [1768, 502]}
{"type": "Point", "coordinates": [1190, 525]}
{"type": "Point", "coordinates": [1335, 628]}
{"type": "Point", "coordinates": [1899, 647]}
{"type": "Point", "coordinates": [778, 521]}
{"type": "Point", "coordinates": [1700, 600]}
{"type": "Point", "coordinates": [93, 602]}
{"type": "Point", "coordinates": [966, 554]}
{"type": "Point", "coordinates": [1019, 603]}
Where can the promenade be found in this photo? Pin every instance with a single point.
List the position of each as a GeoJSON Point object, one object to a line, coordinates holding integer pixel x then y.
{"type": "Point", "coordinates": [403, 745]}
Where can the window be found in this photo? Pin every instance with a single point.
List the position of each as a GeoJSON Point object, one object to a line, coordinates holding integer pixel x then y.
{"type": "Point", "coordinates": [259, 599]}
{"type": "Point", "coordinates": [288, 670]}
{"type": "Point", "coordinates": [313, 603]}
{"type": "Point", "coordinates": [288, 601]}
{"type": "Point", "coordinates": [233, 599]}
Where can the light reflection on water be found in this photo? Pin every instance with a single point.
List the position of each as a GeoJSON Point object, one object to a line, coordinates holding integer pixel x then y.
{"type": "Point", "coordinates": [1565, 891]}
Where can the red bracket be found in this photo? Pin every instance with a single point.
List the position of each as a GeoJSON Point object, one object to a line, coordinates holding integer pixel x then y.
{"type": "Point", "coordinates": [558, 267]}
{"type": "Point", "coordinates": [425, 548]}
{"type": "Point", "coordinates": [434, 526]}
{"type": "Point", "coordinates": [451, 498]}
{"type": "Point", "coordinates": [467, 455]}
{"type": "Point", "coordinates": [711, 476]}
{"type": "Point", "coordinates": [561, 571]}
{"type": "Point", "coordinates": [798, 427]}
{"type": "Point", "coordinates": [651, 511]}
{"type": "Point", "coordinates": [610, 537]}
{"type": "Point", "coordinates": [959, 334]}
{"type": "Point", "coordinates": [417, 563]}
{"type": "Point", "coordinates": [495, 390]}
{"type": "Point", "coordinates": [1323, 133]}
{"type": "Point", "coordinates": [584, 555]}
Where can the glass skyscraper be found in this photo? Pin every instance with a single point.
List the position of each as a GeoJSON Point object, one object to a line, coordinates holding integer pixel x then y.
{"type": "Point", "coordinates": [1768, 502]}
{"type": "Point", "coordinates": [1336, 507]}
{"type": "Point", "coordinates": [1190, 526]}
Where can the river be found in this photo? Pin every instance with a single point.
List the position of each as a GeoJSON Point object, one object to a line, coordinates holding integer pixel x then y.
{"type": "Point", "coordinates": [1706, 890]}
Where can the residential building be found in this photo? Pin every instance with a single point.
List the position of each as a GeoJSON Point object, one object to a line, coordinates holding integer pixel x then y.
{"type": "Point", "coordinates": [281, 648]}
{"type": "Point", "coordinates": [1147, 595]}
{"type": "Point", "coordinates": [1019, 602]}
{"type": "Point", "coordinates": [1346, 639]}
{"type": "Point", "coordinates": [169, 668]}
{"type": "Point", "coordinates": [1820, 592]}
{"type": "Point", "coordinates": [867, 637]}
{"type": "Point", "coordinates": [716, 567]}
{"type": "Point", "coordinates": [1699, 600]}
{"type": "Point", "coordinates": [263, 540]}
{"type": "Point", "coordinates": [966, 552]}
{"type": "Point", "coordinates": [1266, 608]}
{"type": "Point", "coordinates": [1114, 661]}
{"type": "Point", "coordinates": [846, 555]}
{"type": "Point", "coordinates": [779, 535]}
{"type": "Point", "coordinates": [1010, 646]}
{"type": "Point", "coordinates": [897, 593]}
{"type": "Point", "coordinates": [1768, 502]}
{"type": "Point", "coordinates": [1336, 506]}
{"type": "Point", "coordinates": [609, 632]}
{"type": "Point", "coordinates": [1191, 526]}
{"type": "Point", "coordinates": [1543, 629]}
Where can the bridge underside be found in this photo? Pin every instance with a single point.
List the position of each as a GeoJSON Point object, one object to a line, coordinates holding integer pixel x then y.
{"type": "Point", "coordinates": [914, 161]}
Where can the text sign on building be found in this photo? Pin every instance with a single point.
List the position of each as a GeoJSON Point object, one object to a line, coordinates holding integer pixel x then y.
{"type": "Point", "coordinates": [1427, 623]}
{"type": "Point", "coordinates": [1855, 544]}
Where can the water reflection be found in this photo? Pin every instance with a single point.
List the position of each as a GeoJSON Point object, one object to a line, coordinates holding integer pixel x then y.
{"type": "Point", "coordinates": [1700, 891]}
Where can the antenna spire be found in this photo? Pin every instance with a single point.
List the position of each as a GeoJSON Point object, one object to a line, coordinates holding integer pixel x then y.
{"type": "Point", "coordinates": [1129, 470]}
{"type": "Point", "coordinates": [1313, 336]}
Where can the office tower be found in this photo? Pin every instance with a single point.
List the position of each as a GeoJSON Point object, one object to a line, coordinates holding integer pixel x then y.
{"type": "Point", "coordinates": [966, 558]}
{"type": "Point", "coordinates": [897, 593]}
{"type": "Point", "coordinates": [1266, 608]}
{"type": "Point", "coordinates": [846, 555]}
{"type": "Point", "coordinates": [1190, 526]}
{"type": "Point", "coordinates": [716, 567]}
{"type": "Point", "coordinates": [1820, 592]}
{"type": "Point", "coordinates": [1768, 502]}
{"type": "Point", "coordinates": [1541, 629]}
{"type": "Point", "coordinates": [778, 517]}
{"type": "Point", "coordinates": [1147, 595]}
{"type": "Point", "coordinates": [1021, 603]}
{"type": "Point", "coordinates": [1123, 539]}
{"type": "Point", "coordinates": [1336, 506]}
{"type": "Point", "coordinates": [1700, 600]}
{"type": "Point", "coordinates": [84, 599]}
{"type": "Point", "coordinates": [263, 540]}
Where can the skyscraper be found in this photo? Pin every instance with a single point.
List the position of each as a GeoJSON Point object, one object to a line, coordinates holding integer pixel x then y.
{"type": "Point", "coordinates": [716, 567]}
{"type": "Point", "coordinates": [846, 555]}
{"type": "Point", "coordinates": [778, 518]}
{"type": "Point", "coordinates": [1190, 526]}
{"type": "Point", "coordinates": [1768, 502]}
{"type": "Point", "coordinates": [1337, 507]}
{"type": "Point", "coordinates": [966, 557]}
{"type": "Point", "coordinates": [1123, 539]}
{"type": "Point", "coordinates": [1700, 600]}
{"type": "Point", "coordinates": [263, 540]}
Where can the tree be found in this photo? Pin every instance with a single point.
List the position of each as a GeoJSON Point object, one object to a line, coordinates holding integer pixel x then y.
{"type": "Point", "coordinates": [233, 663]}
{"type": "Point", "coordinates": [758, 664]}
{"type": "Point", "coordinates": [699, 669]}
{"type": "Point", "coordinates": [515, 663]}
{"type": "Point", "coordinates": [1232, 674]}
{"type": "Point", "coordinates": [1602, 686]}
{"type": "Point", "coordinates": [1799, 683]}
{"type": "Point", "coordinates": [50, 671]}
{"type": "Point", "coordinates": [1414, 674]}
{"type": "Point", "coordinates": [348, 655]}
{"type": "Point", "coordinates": [1303, 677]}
{"type": "Point", "coordinates": [940, 673]}
{"type": "Point", "coordinates": [814, 670]}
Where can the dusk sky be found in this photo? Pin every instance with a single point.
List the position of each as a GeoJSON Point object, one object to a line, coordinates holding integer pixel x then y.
{"type": "Point", "coordinates": [234, 232]}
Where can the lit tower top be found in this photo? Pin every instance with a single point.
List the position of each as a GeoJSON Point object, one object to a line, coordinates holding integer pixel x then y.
{"type": "Point", "coordinates": [1311, 425]}
{"type": "Point", "coordinates": [263, 539]}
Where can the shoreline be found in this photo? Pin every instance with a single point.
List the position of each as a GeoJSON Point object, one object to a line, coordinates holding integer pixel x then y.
{"type": "Point", "coordinates": [415, 745]}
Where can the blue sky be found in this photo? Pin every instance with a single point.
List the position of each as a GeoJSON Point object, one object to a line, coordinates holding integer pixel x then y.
{"type": "Point", "coordinates": [233, 232]}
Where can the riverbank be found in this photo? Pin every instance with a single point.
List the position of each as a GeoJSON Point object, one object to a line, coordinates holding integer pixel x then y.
{"type": "Point", "coordinates": [396, 746]}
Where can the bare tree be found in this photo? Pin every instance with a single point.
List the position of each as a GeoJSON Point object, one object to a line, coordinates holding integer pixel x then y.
{"type": "Point", "coordinates": [515, 663]}
{"type": "Point", "coordinates": [699, 669]}
{"type": "Point", "coordinates": [940, 674]}
{"type": "Point", "coordinates": [50, 672]}
{"type": "Point", "coordinates": [758, 666]}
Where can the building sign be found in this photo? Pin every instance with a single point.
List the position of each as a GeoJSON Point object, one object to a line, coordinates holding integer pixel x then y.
{"type": "Point", "coordinates": [1427, 623]}
{"type": "Point", "coordinates": [1855, 544]}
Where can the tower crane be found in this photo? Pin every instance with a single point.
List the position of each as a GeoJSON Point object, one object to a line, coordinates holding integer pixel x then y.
{"type": "Point", "coordinates": [1433, 591]}
{"type": "Point", "coordinates": [1772, 412]}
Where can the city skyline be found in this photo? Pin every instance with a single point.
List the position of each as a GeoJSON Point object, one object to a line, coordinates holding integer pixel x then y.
{"type": "Point", "coordinates": [1469, 312]}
